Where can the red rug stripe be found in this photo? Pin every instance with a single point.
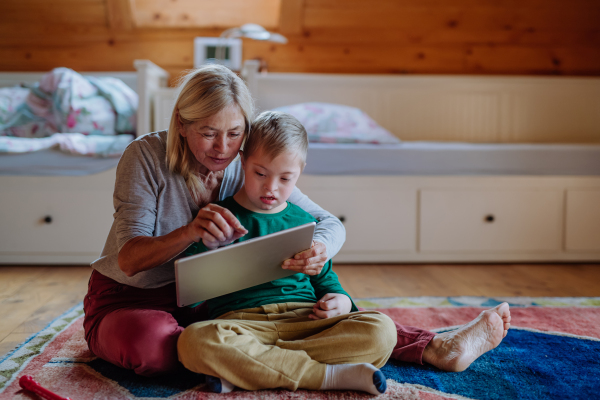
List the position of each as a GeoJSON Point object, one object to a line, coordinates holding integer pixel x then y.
{"type": "Point", "coordinates": [584, 321]}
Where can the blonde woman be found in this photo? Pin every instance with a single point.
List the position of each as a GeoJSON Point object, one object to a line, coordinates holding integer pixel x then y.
{"type": "Point", "coordinates": [165, 184]}
{"type": "Point", "coordinates": [165, 188]}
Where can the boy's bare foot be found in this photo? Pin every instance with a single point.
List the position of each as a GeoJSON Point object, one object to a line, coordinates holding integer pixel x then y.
{"type": "Point", "coordinates": [456, 350]}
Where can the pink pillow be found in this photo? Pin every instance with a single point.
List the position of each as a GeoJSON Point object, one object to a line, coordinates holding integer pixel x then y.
{"type": "Point", "coordinates": [336, 123]}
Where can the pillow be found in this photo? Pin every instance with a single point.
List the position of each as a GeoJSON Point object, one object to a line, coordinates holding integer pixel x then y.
{"type": "Point", "coordinates": [335, 123]}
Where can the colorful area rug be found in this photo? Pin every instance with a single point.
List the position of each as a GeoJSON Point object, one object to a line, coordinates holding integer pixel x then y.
{"type": "Point", "coordinates": [551, 352]}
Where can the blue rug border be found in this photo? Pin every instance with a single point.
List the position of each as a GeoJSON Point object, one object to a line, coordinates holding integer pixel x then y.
{"type": "Point", "coordinates": [33, 336]}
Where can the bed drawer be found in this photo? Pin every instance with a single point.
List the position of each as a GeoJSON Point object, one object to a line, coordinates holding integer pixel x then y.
{"type": "Point", "coordinates": [491, 221]}
{"type": "Point", "coordinates": [376, 220]}
{"type": "Point", "coordinates": [50, 222]}
{"type": "Point", "coordinates": [583, 220]}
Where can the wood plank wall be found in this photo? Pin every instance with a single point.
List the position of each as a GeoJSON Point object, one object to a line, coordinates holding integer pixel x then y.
{"type": "Point", "coordinates": [534, 37]}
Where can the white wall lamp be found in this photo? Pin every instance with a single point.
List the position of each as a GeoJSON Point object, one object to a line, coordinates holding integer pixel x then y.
{"type": "Point", "coordinates": [227, 49]}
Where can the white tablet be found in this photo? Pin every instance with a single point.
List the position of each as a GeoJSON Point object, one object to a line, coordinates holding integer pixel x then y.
{"type": "Point", "coordinates": [239, 266]}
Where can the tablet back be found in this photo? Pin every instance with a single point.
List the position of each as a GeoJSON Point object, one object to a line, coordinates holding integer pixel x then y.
{"type": "Point", "coordinates": [239, 266]}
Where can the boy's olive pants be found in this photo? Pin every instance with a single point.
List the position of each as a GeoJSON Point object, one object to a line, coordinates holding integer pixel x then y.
{"type": "Point", "coordinates": [278, 346]}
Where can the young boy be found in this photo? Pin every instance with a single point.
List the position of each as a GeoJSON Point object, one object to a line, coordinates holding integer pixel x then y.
{"type": "Point", "coordinates": [294, 332]}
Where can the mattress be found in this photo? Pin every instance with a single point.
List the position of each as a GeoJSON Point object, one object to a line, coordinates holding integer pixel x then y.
{"type": "Point", "coordinates": [53, 162]}
{"type": "Point", "coordinates": [406, 158]}
{"type": "Point", "coordinates": [444, 158]}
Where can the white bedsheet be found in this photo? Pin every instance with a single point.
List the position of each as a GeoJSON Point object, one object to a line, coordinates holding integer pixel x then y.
{"type": "Point", "coordinates": [61, 154]}
{"type": "Point", "coordinates": [71, 143]}
{"type": "Point", "coordinates": [406, 158]}
{"type": "Point", "coordinates": [53, 163]}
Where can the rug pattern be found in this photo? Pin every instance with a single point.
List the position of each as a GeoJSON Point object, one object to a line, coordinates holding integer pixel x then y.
{"type": "Point", "coordinates": [551, 352]}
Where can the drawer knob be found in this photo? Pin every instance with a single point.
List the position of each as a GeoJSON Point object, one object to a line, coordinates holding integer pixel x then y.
{"type": "Point", "coordinates": [48, 219]}
{"type": "Point", "coordinates": [342, 218]}
{"type": "Point", "coordinates": [490, 218]}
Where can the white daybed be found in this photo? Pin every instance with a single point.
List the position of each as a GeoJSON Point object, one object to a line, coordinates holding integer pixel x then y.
{"type": "Point", "coordinates": [417, 202]}
{"type": "Point", "coordinates": [448, 201]}
{"type": "Point", "coordinates": [56, 207]}
{"type": "Point", "coordinates": [454, 202]}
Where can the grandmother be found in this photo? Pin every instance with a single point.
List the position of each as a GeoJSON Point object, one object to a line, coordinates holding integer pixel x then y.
{"type": "Point", "coordinates": [165, 185]}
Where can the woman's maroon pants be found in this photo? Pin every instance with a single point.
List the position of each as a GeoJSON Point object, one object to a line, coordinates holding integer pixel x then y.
{"type": "Point", "coordinates": [138, 328]}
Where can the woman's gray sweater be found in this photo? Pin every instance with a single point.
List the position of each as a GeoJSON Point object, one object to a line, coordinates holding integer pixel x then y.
{"type": "Point", "coordinates": [150, 200]}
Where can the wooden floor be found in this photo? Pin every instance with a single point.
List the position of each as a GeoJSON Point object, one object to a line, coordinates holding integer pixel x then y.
{"type": "Point", "coordinates": [31, 296]}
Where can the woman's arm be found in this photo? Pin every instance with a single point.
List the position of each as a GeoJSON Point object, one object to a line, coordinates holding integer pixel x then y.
{"type": "Point", "coordinates": [328, 239]}
{"type": "Point", "coordinates": [212, 224]}
{"type": "Point", "coordinates": [142, 253]}
{"type": "Point", "coordinates": [141, 179]}
{"type": "Point", "coordinates": [329, 230]}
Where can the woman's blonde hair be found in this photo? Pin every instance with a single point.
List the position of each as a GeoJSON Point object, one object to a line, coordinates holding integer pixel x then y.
{"type": "Point", "coordinates": [203, 92]}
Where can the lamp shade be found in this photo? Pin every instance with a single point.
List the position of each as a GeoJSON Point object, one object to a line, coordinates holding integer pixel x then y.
{"type": "Point", "coordinates": [255, 32]}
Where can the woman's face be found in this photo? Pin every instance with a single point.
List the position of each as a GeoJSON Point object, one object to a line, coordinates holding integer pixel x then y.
{"type": "Point", "coordinates": [216, 140]}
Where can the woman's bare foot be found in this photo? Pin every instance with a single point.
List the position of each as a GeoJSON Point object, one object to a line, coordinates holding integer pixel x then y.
{"type": "Point", "coordinates": [456, 350]}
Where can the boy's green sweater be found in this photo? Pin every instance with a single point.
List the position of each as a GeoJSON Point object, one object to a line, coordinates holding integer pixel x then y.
{"type": "Point", "coordinates": [294, 288]}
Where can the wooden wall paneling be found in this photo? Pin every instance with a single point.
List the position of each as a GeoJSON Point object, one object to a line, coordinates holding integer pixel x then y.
{"type": "Point", "coordinates": [358, 59]}
{"type": "Point", "coordinates": [539, 37]}
{"type": "Point", "coordinates": [451, 24]}
{"type": "Point", "coordinates": [452, 15]}
{"type": "Point", "coordinates": [393, 25]}
{"type": "Point", "coordinates": [56, 35]}
{"type": "Point", "coordinates": [117, 56]}
{"type": "Point", "coordinates": [390, 35]}
{"type": "Point", "coordinates": [291, 19]}
{"type": "Point", "coordinates": [103, 50]}
{"type": "Point", "coordinates": [17, 34]}
{"type": "Point", "coordinates": [120, 14]}
{"type": "Point", "coordinates": [206, 13]}
{"type": "Point", "coordinates": [515, 36]}
{"type": "Point", "coordinates": [533, 60]}
{"type": "Point", "coordinates": [428, 59]}
{"type": "Point", "coordinates": [577, 59]}
{"type": "Point", "coordinates": [70, 12]}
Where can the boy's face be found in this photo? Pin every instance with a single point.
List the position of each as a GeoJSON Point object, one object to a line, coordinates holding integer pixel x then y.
{"type": "Point", "coordinates": [269, 182]}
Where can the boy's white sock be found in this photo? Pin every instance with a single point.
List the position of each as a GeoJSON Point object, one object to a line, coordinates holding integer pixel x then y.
{"type": "Point", "coordinates": [218, 385]}
{"type": "Point", "coordinates": [363, 377]}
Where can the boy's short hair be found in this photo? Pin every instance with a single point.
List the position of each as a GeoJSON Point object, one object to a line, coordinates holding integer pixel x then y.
{"type": "Point", "coordinates": [276, 132]}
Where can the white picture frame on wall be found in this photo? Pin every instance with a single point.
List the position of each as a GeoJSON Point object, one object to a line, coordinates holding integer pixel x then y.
{"type": "Point", "coordinates": [206, 51]}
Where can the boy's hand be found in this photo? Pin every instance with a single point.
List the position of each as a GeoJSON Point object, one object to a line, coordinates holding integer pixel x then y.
{"type": "Point", "coordinates": [331, 305]}
{"type": "Point", "coordinates": [216, 226]}
{"type": "Point", "coordinates": [309, 262]}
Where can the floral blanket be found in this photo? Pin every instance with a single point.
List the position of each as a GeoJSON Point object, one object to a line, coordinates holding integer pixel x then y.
{"type": "Point", "coordinates": [79, 115]}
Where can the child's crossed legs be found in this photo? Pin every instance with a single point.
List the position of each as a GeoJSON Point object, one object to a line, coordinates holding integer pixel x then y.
{"type": "Point", "coordinates": [278, 346]}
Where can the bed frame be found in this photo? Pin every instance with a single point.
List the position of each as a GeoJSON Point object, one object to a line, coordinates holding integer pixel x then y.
{"type": "Point", "coordinates": [388, 218]}
{"type": "Point", "coordinates": [452, 218]}
{"type": "Point", "coordinates": [456, 218]}
{"type": "Point", "coordinates": [66, 219]}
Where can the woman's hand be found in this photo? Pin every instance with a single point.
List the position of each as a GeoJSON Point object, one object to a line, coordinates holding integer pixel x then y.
{"type": "Point", "coordinates": [309, 262]}
{"type": "Point", "coordinates": [215, 226]}
{"type": "Point", "coordinates": [331, 305]}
